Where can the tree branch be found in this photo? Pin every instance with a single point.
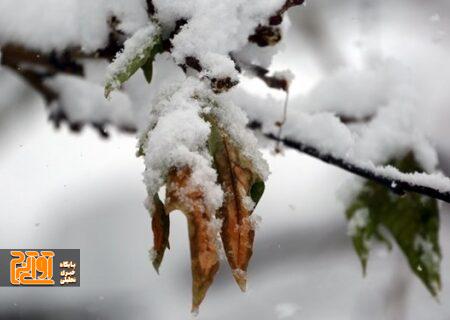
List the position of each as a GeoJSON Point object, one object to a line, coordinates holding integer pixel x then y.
{"type": "Point", "coordinates": [397, 185]}
{"type": "Point", "coordinates": [35, 67]}
{"type": "Point", "coordinates": [14, 56]}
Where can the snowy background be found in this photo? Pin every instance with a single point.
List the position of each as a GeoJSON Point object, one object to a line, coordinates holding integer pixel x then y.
{"type": "Point", "coordinates": [60, 190]}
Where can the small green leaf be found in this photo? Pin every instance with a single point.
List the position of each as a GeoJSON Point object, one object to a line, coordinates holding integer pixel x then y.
{"type": "Point", "coordinates": [412, 220]}
{"type": "Point", "coordinates": [133, 57]}
{"type": "Point", "coordinates": [257, 191]}
{"type": "Point", "coordinates": [215, 140]}
{"type": "Point", "coordinates": [147, 68]}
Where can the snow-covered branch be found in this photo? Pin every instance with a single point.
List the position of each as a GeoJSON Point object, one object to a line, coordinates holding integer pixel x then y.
{"type": "Point", "coordinates": [193, 119]}
{"type": "Point", "coordinates": [433, 185]}
{"type": "Point", "coordinates": [118, 112]}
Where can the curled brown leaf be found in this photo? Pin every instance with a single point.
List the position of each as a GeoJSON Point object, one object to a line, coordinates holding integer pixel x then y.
{"type": "Point", "coordinates": [160, 228]}
{"type": "Point", "coordinates": [236, 175]}
{"type": "Point", "coordinates": [182, 195]}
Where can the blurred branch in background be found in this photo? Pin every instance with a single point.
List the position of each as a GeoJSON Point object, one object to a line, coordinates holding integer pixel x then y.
{"type": "Point", "coordinates": [44, 66]}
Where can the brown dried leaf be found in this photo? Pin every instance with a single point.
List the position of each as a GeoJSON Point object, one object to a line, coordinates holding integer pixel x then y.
{"type": "Point", "coordinates": [181, 195]}
{"type": "Point", "coordinates": [237, 177]}
{"type": "Point", "coordinates": [160, 228]}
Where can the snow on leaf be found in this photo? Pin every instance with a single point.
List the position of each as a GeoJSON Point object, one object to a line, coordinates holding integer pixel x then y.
{"type": "Point", "coordinates": [412, 220]}
{"type": "Point", "coordinates": [139, 52]}
{"type": "Point", "coordinates": [176, 154]}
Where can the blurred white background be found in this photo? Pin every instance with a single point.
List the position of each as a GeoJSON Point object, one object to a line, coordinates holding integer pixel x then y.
{"type": "Point", "coordinates": [62, 190]}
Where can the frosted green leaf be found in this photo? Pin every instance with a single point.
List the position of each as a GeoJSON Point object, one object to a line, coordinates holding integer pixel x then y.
{"type": "Point", "coordinates": [412, 220]}
{"type": "Point", "coordinates": [139, 52]}
{"type": "Point", "coordinates": [257, 191]}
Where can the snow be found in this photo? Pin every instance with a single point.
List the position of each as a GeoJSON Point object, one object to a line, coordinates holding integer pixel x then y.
{"type": "Point", "coordinates": [134, 48]}
{"type": "Point", "coordinates": [234, 121]}
{"type": "Point", "coordinates": [435, 181]}
{"type": "Point", "coordinates": [349, 189]}
{"type": "Point", "coordinates": [249, 204]}
{"type": "Point", "coordinates": [214, 29]}
{"type": "Point", "coordinates": [83, 102]}
{"type": "Point", "coordinates": [177, 138]}
{"type": "Point", "coordinates": [255, 221]}
{"type": "Point", "coordinates": [46, 25]}
{"type": "Point", "coordinates": [178, 133]}
{"type": "Point", "coordinates": [357, 92]}
{"type": "Point", "coordinates": [379, 89]}
{"type": "Point", "coordinates": [251, 53]}
{"type": "Point", "coordinates": [429, 257]}
{"type": "Point", "coordinates": [322, 130]}
{"type": "Point", "coordinates": [390, 134]}
{"type": "Point", "coordinates": [358, 221]}
{"type": "Point", "coordinates": [218, 66]}
{"type": "Point", "coordinates": [367, 98]}
{"type": "Point", "coordinates": [285, 310]}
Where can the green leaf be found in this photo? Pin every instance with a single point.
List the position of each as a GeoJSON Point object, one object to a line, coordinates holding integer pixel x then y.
{"type": "Point", "coordinates": [257, 190]}
{"type": "Point", "coordinates": [147, 68]}
{"type": "Point", "coordinates": [215, 140]}
{"type": "Point", "coordinates": [412, 220]}
{"type": "Point", "coordinates": [143, 58]}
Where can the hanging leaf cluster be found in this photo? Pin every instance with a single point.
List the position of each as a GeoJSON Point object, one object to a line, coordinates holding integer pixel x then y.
{"type": "Point", "coordinates": [412, 220]}
{"type": "Point", "coordinates": [230, 227]}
